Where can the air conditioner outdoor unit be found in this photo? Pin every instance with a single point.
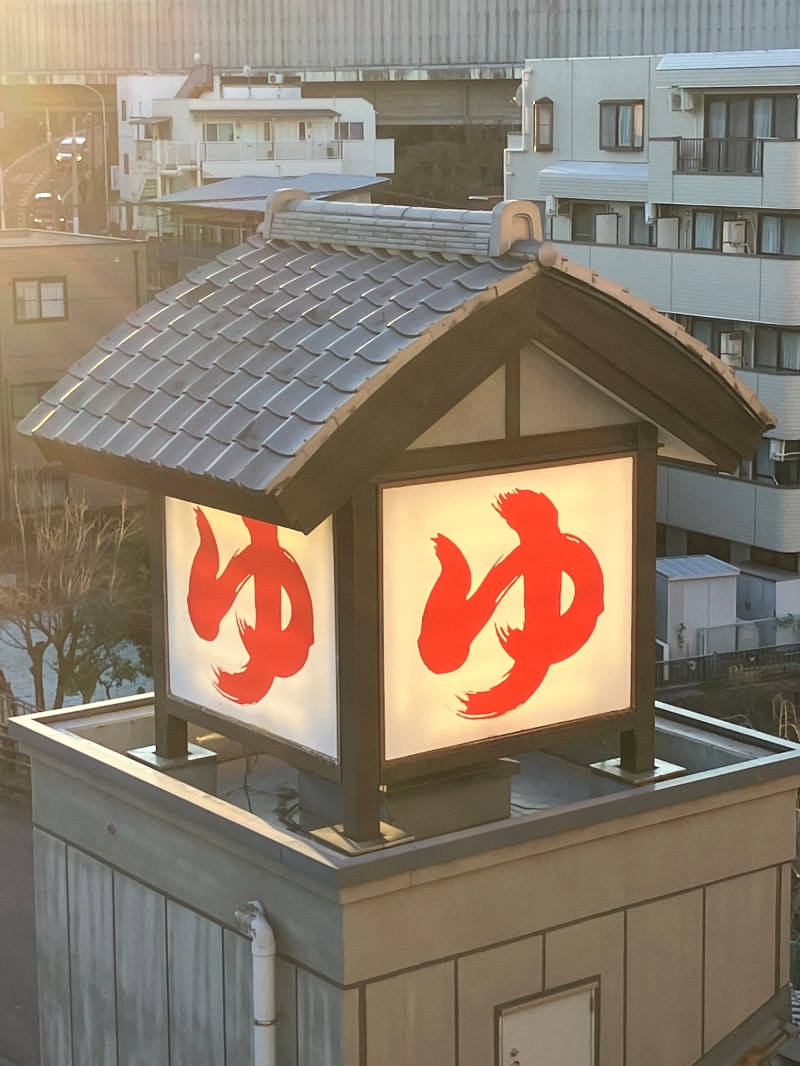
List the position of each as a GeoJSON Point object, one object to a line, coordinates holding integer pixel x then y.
{"type": "Point", "coordinates": [777, 450]}
{"type": "Point", "coordinates": [550, 206]}
{"type": "Point", "coordinates": [275, 79]}
{"type": "Point", "coordinates": [734, 236]}
{"type": "Point", "coordinates": [680, 100]}
{"type": "Point", "coordinates": [732, 348]}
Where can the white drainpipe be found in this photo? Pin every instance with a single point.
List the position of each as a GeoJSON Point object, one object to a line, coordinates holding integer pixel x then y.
{"type": "Point", "coordinates": [252, 921]}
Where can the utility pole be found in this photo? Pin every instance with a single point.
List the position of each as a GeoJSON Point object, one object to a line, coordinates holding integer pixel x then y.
{"type": "Point", "coordinates": [76, 225]}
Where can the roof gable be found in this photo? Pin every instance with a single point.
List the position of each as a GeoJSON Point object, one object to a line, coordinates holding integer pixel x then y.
{"type": "Point", "coordinates": [286, 372]}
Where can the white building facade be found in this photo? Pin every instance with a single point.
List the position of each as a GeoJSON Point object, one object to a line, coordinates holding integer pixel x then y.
{"type": "Point", "coordinates": [679, 177]}
{"type": "Point", "coordinates": [177, 133]}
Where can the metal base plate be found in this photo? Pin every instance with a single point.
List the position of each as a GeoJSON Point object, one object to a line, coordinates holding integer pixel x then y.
{"type": "Point", "coordinates": [333, 836]}
{"type": "Point", "coordinates": [661, 771]}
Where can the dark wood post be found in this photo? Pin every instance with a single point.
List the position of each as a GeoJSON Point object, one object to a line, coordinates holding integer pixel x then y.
{"type": "Point", "coordinates": [637, 751]}
{"type": "Point", "coordinates": [356, 532]}
{"type": "Point", "coordinates": [171, 732]}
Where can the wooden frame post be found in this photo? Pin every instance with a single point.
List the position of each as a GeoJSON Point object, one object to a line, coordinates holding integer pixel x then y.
{"type": "Point", "coordinates": [170, 732]}
{"type": "Point", "coordinates": [356, 533]}
{"type": "Point", "coordinates": [637, 745]}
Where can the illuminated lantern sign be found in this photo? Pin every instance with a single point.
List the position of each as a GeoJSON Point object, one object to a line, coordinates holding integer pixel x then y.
{"type": "Point", "coordinates": [507, 603]}
{"type": "Point", "coordinates": [250, 623]}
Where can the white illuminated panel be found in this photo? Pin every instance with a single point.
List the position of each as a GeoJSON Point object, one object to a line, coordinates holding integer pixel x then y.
{"type": "Point", "coordinates": [251, 623]}
{"type": "Point", "coordinates": [495, 639]}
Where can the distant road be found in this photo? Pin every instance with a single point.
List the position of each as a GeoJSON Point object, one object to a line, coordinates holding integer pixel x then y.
{"type": "Point", "coordinates": [21, 179]}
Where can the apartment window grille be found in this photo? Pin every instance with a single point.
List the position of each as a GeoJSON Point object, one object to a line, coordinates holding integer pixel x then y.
{"type": "Point", "coordinates": [622, 125]}
{"type": "Point", "coordinates": [779, 235]}
{"type": "Point", "coordinates": [38, 299]}
{"type": "Point", "coordinates": [349, 131]}
{"type": "Point", "coordinates": [640, 232]}
{"type": "Point", "coordinates": [543, 125]}
{"type": "Point", "coordinates": [776, 349]}
{"type": "Point", "coordinates": [217, 131]}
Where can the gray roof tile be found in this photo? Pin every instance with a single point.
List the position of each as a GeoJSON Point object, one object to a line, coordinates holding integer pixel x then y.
{"type": "Point", "coordinates": [232, 460]}
{"type": "Point", "coordinates": [232, 370]}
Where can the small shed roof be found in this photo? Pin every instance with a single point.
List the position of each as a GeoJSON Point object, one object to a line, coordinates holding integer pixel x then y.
{"type": "Point", "coordinates": [685, 567]}
{"type": "Point", "coordinates": [252, 188]}
{"type": "Point", "coordinates": [283, 374]}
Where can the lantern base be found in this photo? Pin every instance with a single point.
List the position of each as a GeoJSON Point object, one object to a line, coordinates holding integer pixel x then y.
{"type": "Point", "coordinates": [661, 771]}
{"type": "Point", "coordinates": [333, 836]}
{"type": "Point", "coordinates": [198, 767]}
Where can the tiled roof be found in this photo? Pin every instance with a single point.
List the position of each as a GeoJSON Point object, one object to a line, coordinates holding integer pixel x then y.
{"type": "Point", "coordinates": [239, 374]}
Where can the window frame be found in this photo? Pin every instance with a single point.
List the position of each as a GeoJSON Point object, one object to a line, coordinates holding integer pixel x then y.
{"type": "Point", "coordinates": [652, 235]}
{"type": "Point", "coordinates": [35, 388]}
{"type": "Point", "coordinates": [39, 281]}
{"type": "Point", "coordinates": [540, 107]}
{"type": "Point", "coordinates": [721, 216]}
{"type": "Point", "coordinates": [343, 130]}
{"type": "Point", "coordinates": [781, 216]}
{"type": "Point", "coordinates": [760, 330]}
{"type": "Point", "coordinates": [617, 105]}
{"type": "Point", "coordinates": [216, 139]}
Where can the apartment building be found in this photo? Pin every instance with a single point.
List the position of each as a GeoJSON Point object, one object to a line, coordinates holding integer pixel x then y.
{"type": "Point", "coordinates": [679, 177]}
{"type": "Point", "coordinates": [59, 292]}
{"type": "Point", "coordinates": [178, 133]}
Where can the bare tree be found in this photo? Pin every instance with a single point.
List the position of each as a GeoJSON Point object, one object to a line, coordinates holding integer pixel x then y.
{"type": "Point", "coordinates": [80, 597]}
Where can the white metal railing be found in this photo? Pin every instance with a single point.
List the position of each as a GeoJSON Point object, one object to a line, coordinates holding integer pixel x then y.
{"type": "Point", "coordinates": [186, 153]}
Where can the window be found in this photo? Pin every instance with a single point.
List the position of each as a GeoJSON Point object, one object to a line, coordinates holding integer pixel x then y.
{"type": "Point", "coordinates": [584, 220]}
{"type": "Point", "coordinates": [25, 397]}
{"type": "Point", "coordinates": [349, 131]}
{"type": "Point", "coordinates": [743, 116]}
{"type": "Point", "coordinates": [709, 332]}
{"type": "Point", "coordinates": [268, 130]}
{"type": "Point", "coordinates": [622, 125]}
{"type": "Point", "coordinates": [39, 298]}
{"type": "Point", "coordinates": [543, 125]}
{"type": "Point", "coordinates": [217, 131]}
{"type": "Point", "coordinates": [779, 235]}
{"type": "Point", "coordinates": [776, 349]}
{"type": "Point", "coordinates": [640, 233]}
{"type": "Point", "coordinates": [707, 228]}
{"type": "Point", "coordinates": [123, 110]}
{"type": "Point", "coordinates": [126, 163]}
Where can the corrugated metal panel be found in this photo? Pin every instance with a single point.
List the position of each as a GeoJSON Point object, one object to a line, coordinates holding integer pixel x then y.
{"type": "Point", "coordinates": [89, 35]}
{"type": "Point", "coordinates": [52, 937]}
{"type": "Point", "coordinates": [238, 1000]}
{"type": "Point", "coordinates": [91, 950]}
{"type": "Point", "coordinates": [141, 951]}
{"type": "Point", "coordinates": [694, 566]}
{"type": "Point", "coordinates": [196, 1026]}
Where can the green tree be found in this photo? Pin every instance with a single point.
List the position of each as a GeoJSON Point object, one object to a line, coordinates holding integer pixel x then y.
{"type": "Point", "coordinates": [81, 595]}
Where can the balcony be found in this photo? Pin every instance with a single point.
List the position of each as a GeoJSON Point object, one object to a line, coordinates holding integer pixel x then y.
{"type": "Point", "coordinates": [747, 512]}
{"type": "Point", "coordinates": [719, 155]}
{"type": "Point", "coordinates": [748, 172]}
{"type": "Point", "coordinates": [742, 288]}
{"type": "Point", "coordinates": [177, 154]}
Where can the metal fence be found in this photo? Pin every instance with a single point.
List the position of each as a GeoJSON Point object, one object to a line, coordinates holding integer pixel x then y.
{"type": "Point", "coordinates": [750, 664]}
{"type": "Point", "coordinates": [15, 768]}
{"type": "Point", "coordinates": [720, 155]}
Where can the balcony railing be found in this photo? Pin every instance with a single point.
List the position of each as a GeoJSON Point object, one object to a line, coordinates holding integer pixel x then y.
{"type": "Point", "coordinates": [719, 155]}
{"type": "Point", "coordinates": [177, 153]}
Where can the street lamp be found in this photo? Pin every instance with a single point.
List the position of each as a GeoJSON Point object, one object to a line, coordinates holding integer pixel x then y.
{"type": "Point", "coordinates": [97, 93]}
